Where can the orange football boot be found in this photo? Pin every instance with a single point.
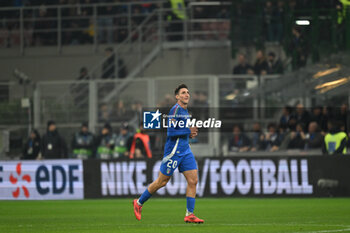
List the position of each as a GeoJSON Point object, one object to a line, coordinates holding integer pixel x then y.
{"type": "Point", "coordinates": [193, 219]}
{"type": "Point", "coordinates": [137, 210]}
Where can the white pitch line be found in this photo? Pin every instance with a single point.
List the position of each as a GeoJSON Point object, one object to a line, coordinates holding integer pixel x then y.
{"type": "Point", "coordinates": [325, 231]}
{"type": "Point", "coordinates": [249, 224]}
{"type": "Point", "coordinates": [262, 224]}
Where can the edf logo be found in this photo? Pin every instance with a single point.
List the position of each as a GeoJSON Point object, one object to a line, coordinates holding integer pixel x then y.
{"type": "Point", "coordinates": [151, 120]}
{"type": "Point", "coordinates": [46, 179]}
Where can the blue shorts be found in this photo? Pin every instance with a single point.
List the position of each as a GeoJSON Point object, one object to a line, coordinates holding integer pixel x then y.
{"type": "Point", "coordinates": [184, 163]}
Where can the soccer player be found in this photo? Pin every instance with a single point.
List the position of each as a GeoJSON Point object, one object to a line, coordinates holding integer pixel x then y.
{"type": "Point", "coordinates": [177, 154]}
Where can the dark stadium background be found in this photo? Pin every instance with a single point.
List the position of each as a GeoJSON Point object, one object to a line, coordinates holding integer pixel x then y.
{"type": "Point", "coordinates": [276, 73]}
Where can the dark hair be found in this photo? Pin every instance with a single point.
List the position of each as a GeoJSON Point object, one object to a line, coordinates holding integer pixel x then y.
{"type": "Point", "coordinates": [50, 122]}
{"type": "Point", "coordinates": [289, 109]}
{"type": "Point", "coordinates": [238, 126]}
{"type": "Point", "coordinates": [179, 87]}
{"type": "Point", "coordinates": [107, 126]}
{"type": "Point", "coordinates": [272, 54]}
{"type": "Point", "coordinates": [37, 135]}
{"type": "Point", "coordinates": [273, 125]}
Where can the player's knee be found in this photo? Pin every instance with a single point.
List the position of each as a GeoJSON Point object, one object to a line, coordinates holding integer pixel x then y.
{"type": "Point", "coordinates": [193, 181]}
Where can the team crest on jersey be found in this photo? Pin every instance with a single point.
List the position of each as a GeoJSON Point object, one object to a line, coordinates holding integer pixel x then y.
{"type": "Point", "coordinates": [168, 171]}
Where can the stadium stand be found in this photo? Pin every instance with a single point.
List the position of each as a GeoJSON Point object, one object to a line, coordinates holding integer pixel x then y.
{"type": "Point", "coordinates": [139, 51]}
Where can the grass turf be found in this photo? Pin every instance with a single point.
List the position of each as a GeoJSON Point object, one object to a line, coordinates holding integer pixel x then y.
{"type": "Point", "coordinates": [166, 215]}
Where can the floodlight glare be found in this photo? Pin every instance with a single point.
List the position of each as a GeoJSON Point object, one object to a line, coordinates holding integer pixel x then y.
{"type": "Point", "coordinates": [302, 22]}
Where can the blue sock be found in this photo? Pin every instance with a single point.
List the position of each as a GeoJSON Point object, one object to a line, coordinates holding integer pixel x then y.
{"type": "Point", "coordinates": [190, 204]}
{"type": "Point", "coordinates": [144, 197]}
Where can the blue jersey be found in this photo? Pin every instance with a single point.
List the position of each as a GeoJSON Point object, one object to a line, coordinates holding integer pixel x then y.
{"type": "Point", "coordinates": [177, 152]}
{"type": "Point", "coordinates": [177, 137]}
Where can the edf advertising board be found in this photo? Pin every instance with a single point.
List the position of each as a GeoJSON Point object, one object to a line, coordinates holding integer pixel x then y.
{"type": "Point", "coordinates": [38, 180]}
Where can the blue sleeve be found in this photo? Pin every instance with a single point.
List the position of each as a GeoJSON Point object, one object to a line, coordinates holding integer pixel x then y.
{"type": "Point", "coordinates": [177, 131]}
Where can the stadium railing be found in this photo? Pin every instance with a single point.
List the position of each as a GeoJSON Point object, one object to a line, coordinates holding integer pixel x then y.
{"type": "Point", "coordinates": [154, 34]}
{"type": "Point", "coordinates": [231, 93]}
{"type": "Point", "coordinates": [235, 99]}
{"type": "Point", "coordinates": [68, 25]}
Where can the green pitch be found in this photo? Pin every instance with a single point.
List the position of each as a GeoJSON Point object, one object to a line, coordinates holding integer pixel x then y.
{"type": "Point", "coordinates": [166, 215]}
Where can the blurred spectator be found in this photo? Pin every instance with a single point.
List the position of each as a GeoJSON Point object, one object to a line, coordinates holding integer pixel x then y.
{"type": "Point", "coordinates": [327, 113]}
{"type": "Point", "coordinates": [136, 108]}
{"type": "Point", "coordinates": [108, 67]}
{"type": "Point", "coordinates": [169, 100]}
{"type": "Point", "coordinates": [199, 98]}
{"type": "Point", "coordinates": [89, 32]}
{"type": "Point", "coordinates": [286, 116]}
{"type": "Point", "coordinates": [274, 20]}
{"type": "Point", "coordinates": [122, 32]}
{"type": "Point", "coordinates": [342, 7]}
{"type": "Point", "coordinates": [137, 16]}
{"type": "Point", "coordinates": [302, 116]}
{"type": "Point", "coordinates": [243, 67]}
{"type": "Point", "coordinates": [342, 115]}
{"type": "Point", "coordinates": [122, 71]}
{"type": "Point", "coordinates": [257, 137]}
{"type": "Point", "coordinates": [260, 66]}
{"type": "Point", "coordinates": [268, 17]}
{"type": "Point", "coordinates": [104, 115]}
{"type": "Point", "coordinates": [42, 24]}
{"type": "Point", "coordinates": [74, 23]}
{"type": "Point", "coordinates": [298, 49]}
{"type": "Point", "coordinates": [53, 145]}
{"type": "Point", "coordinates": [282, 131]}
{"type": "Point", "coordinates": [274, 65]}
{"type": "Point", "coordinates": [314, 139]}
{"type": "Point", "coordinates": [121, 112]}
{"type": "Point", "coordinates": [147, 7]}
{"type": "Point", "coordinates": [141, 145]}
{"type": "Point", "coordinates": [335, 141]}
{"type": "Point", "coordinates": [290, 129]}
{"type": "Point", "coordinates": [80, 90]}
{"type": "Point", "coordinates": [279, 17]}
{"type": "Point", "coordinates": [123, 142]}
{"type": "Point", "coordinates": [83, 74]}
{"type": "Point", "coordinates": [238, 141]}
{"type": "Point", "coordinates": [87, 22]}
{"type": "Point", "coordinates": [199, 12]}
{"type": "Point", "coordinates": [272, 139]}
{"type": "Point", "coordinates": [83, 143]}
{"type": "Point", "coordinates": [318, 117]}
{"type": "Point", "coordinates": [31, 149]}
{"type": "Point", "coordinates": [176, 16]}
{"type": "Point", "coordinates": [223, 28]}
{"type": "Point", "coordinates": [105, 142]}
{"type": "Point", "coordinates": [105, 23]}
{"type": "Point", "coordinates": [297, 138]}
